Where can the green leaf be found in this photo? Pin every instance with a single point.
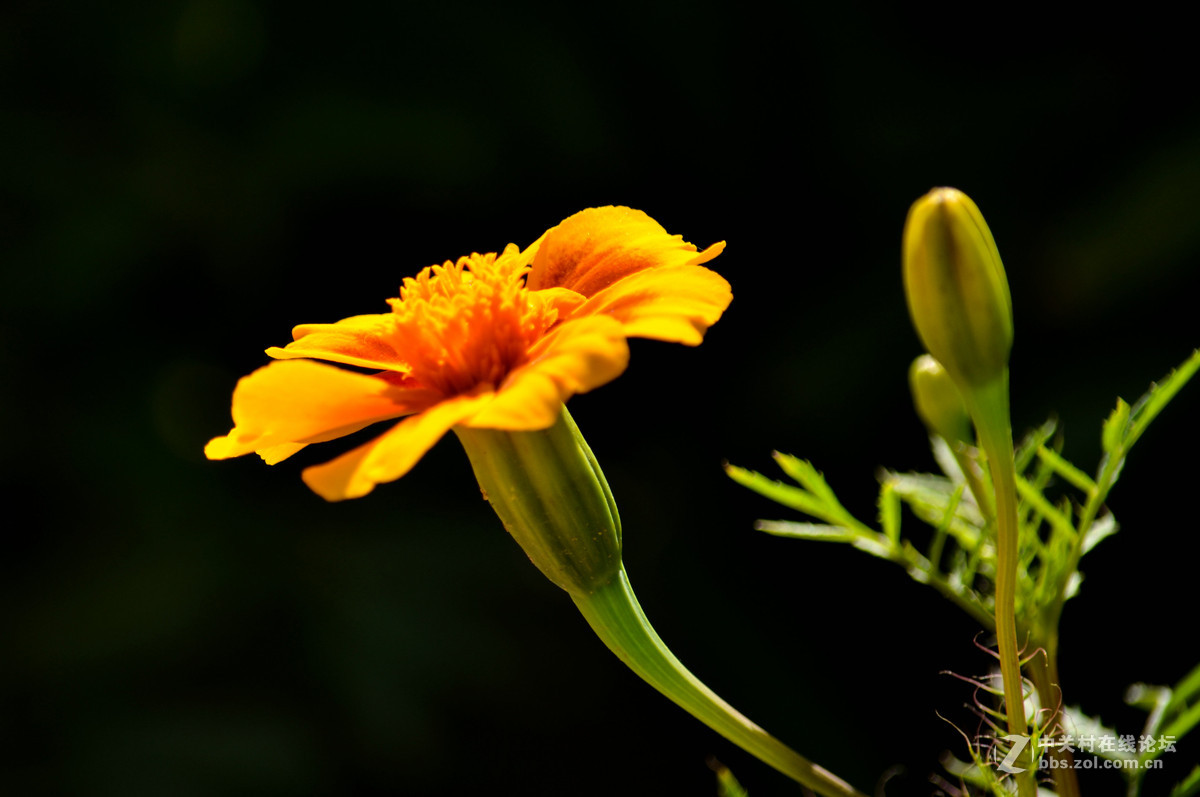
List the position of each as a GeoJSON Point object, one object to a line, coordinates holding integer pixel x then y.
{"type": "Point", "coordinates": [1183, 724]}
{"type": "Point", "coordinates": [1151, 699]}
{"type": "Point", "coordinates": [1035, 439]}
{"type": "Point", "coordinates": [780, 493]}
{"type": "Point", "coordinates": [1189, 786]}
{"type": "Point", "coordinates": [939, 536]}
{"type": "Point", "coordinates": [945, 459]}
{"type": "Point", "coordinates": [806, 531]}
{"type": "Point", "coordinates": [807, 476]}
{"type": "Point", "coordinates": [1065, 469]}
{"type": "Point", "coordinates": [1186, 689]}
{"type": "Point", "coordinates": [1126, 424]}
{"type": "Point", "coordinates": [925, 486]}
{"type": "Point", "coordinates": [1113, 433]}
{"type": "Point", "coordinates": [1057, 519]}
{"type": "Point", "coordinates": [1148, 697]}
{"type": "Point", "coordinates": [889, 512]}
{"type": "Point", "coordinates": [977, 773]}
{"type": "Point", "coordinates": [727, 784]}
{"type": "Point", "coordinates": [929, 497]}
{"type": "Point", "coordinates": [875, 544]}
{"type": "Point", "coordinates": [1156, 399]}
{"type": "Point", "coordinates": [811, 479]}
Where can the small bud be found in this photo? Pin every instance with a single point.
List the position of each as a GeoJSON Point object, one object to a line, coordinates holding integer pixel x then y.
{"type": "Point", "coordinates": [956, 287]}
{"type": "Point", "coordinates": [938, 402]}
{"type": "Point", "coordinates": [549, 492]}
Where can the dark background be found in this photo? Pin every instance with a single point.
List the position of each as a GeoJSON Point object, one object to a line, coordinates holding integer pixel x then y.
{"type": "Point", "coordinates": [182, 182]}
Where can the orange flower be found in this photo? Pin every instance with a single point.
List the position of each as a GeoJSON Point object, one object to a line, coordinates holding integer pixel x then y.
{"type": "Point", "coordinates": [492, 341]}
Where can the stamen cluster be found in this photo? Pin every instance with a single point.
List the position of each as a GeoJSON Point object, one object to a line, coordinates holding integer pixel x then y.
{"type": "Point", "coordinates": [469, 323]}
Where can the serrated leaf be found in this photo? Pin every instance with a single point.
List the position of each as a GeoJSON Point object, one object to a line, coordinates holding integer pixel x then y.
{"type": "Point", "coordinates": [1031, 442]}
{"type": "Point", "coordinates": [1159, 395]}
{"type": "Point", "coordinates": [1061, 523]}
{"type": "Point", "coordinates": [908, 484]}
{"type": "Point", "coordinates": [1114, 427]}
{"type": "Point", "coordinates": [929, 495]}
{"type": "Point", "coordinates": [814, 482]}
{"type": "Point", "coordinates": [1065, 469]}
{"type": "Point", "coordinates": [1104, 526]}
{"type": "Point", "coordinates": [806, 531]}
{"type": "Point", "coordinates": [780, 493]}
{"type": "Point", "coordinates": [807, 476]}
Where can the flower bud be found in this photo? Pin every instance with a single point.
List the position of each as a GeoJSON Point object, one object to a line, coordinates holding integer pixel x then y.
{"type": "Point", "coordinates": [549, 492]}
{"type": "Point", "coordinates": [956, 287]}
{"type": "Point", "coordinates": [937, 401]}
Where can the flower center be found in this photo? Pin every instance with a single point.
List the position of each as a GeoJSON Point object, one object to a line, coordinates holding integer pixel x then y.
{"type": "Point", "coordinates": [465, 324]}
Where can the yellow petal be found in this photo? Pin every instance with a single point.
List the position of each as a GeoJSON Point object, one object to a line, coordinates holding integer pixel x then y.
{"type": "Point", "coordinates": [563, 300]}
{"type": "Point", "coordinates": [674, 303]}
{"type": "Point", "coordinates": [576, 357]}
{"type": "Point", "coordinates": [393, 454]}
{"type": "Point", "coordinates": [363, 340]}
{"type": "Point", "coordinates": [307, 402]}
{"type": "Point", "coordinates": [596, 247]}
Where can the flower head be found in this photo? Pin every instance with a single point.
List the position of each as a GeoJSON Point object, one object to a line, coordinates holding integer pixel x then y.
{"type": "Point", "coordinates": [493, 341]}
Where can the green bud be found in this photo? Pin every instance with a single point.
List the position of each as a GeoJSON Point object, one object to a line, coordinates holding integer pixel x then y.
{"type": "Point", "coordinates": [957, 290]}
{"type": "Point", "coordinates": [937, 401]}
{"type": "Point", "coordinates": [553, 499]}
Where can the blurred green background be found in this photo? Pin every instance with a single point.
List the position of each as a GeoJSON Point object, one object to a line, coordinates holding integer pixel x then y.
{"type": "Point", "coordinates": [182, 182]}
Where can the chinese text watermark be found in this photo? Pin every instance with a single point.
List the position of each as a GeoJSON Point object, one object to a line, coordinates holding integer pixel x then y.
{"type": "Point", "coordinates": [1116, 752]}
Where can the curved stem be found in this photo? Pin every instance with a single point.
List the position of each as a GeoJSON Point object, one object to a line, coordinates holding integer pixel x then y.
{"type": "Point", "coordinates": [617, 618]}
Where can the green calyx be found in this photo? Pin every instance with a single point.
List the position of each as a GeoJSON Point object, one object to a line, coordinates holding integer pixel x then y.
{"type": "Point", "coordinates": [957, 289]}
{"type": "Point", "coordinates": [550, 493]}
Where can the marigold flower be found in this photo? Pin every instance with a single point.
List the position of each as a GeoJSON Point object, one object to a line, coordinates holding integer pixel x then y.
{"type": "Point", "coordinates": [488, 342]}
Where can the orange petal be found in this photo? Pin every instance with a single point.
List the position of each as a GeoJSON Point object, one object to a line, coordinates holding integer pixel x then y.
{"type": "Point", "coordinates": [596, 247]}
{"type": "Point", "coordinates": [276, 454]}
{"type": "Point", "coordinates": [575, 358]}
{"type": "Point", "coordinates": [307, 402]}
{"type": "Point", "coordinates": [393, 454]}
{"type": "Point", "coordinates": [674, 303]}
{"type": "Point", "coordinates": [363, 340]}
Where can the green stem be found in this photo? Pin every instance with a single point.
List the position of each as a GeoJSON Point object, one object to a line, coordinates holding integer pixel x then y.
{"type": "Point", "coordinates": [615, 616]}
{"type": "Point", "coordinates": [1043, 671]}
{"type": "Point", "coordinates": [989, 408]}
